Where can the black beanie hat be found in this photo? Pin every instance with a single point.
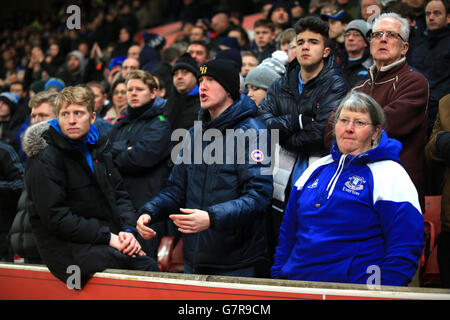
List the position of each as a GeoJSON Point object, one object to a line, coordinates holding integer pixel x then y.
{"type": "Point", "coordinates": [185, 61]}
{"type": "Point", "coordinates": [225, 72]}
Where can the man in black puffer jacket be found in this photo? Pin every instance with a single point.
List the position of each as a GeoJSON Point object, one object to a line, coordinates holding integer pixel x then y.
{"type": "Point", "coordinates": [300, 109]}
{"type": "Point", "coordinates": [218, 192]}
{"type": "Point", "coordinates": [81, 216]}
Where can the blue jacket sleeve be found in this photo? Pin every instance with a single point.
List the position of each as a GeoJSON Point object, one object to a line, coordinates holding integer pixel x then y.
{"type": "Point", "coordinates": [403, 228]}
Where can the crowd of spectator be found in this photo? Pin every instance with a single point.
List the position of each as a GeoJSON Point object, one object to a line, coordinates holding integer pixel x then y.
{"type": "Point", "coordinates": [295, 93]}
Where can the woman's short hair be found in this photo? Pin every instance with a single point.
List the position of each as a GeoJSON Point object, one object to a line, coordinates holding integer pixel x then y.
{"type": "Point", "coordinates": [356, 101]}
{"type": "Point", "coordinates": [77, 95]}
{"type": "Point", "coordinates": [144, 76]}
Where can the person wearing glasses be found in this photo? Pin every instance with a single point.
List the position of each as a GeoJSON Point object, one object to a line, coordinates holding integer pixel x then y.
{"type": "Point", "coordinates": [354, 215]}
{"type": "Point", "coordinates": [118, 110]}
{"type": "Point", "coordinates": [357, 57]}
{"type": "Point", "coordinates": [401, 92]}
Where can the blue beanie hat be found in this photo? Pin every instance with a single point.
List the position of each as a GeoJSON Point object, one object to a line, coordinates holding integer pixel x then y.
{"type": "Point", "coordinates": [56, 83]}
{"type": "Point", "coordinates": [116, 61]}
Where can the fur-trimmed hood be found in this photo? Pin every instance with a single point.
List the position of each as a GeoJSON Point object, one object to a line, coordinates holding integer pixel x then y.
{"type": "Point", "coordinates": [32, 140]}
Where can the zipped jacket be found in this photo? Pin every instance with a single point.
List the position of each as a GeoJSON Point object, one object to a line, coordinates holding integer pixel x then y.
{"type": "Point", "coordinates": [234, 193]}
{"type": "Point", "coordinates": [349, 215]}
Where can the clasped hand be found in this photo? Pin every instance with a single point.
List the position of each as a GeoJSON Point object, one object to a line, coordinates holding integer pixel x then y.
{"type": "Point", "coordinates": [126, 243]}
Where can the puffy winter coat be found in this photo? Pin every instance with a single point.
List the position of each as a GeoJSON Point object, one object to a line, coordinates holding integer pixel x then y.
{"type": "Point", "coordinates": [235, 194]}
{"type": "Point", "coordinates": [73, 209]}
{"type": "Point", "coordinates": [283, 104]}
{"type": "Point", "coordinates": [141, 149]}
{"type": "Point", "coordinates": [350, 215]}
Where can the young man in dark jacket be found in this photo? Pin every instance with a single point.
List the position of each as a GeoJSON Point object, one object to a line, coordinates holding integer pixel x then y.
{"type": "Point", "coordinates": [218, 192]}
{"type": "Point", "coordinates": [141, 144]}
{"type": "Point", "coordinates": [432, 56]}
{"type": "Point", "coordinates": [81, 216]}
{"type": "Point", "coordinates": [298, 105]}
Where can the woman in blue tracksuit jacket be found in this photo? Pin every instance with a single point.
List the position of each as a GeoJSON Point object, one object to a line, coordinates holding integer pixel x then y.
{"type": "Point", "coordinates": [353, 215]}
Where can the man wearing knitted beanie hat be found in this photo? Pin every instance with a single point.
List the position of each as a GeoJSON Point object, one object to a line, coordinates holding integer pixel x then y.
{"type": "Point", "coordinates": [222, 196]}
{"type": "Point", "coordinates": [226, 73]}
{"type": "Point", "coordinates": [262, 76]}
{"type": "Point", "coordinates": [183, 101]}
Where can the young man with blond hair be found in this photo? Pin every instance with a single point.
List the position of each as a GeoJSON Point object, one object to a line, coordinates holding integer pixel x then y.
{"type": "Point", "coordinates": [81, 215]}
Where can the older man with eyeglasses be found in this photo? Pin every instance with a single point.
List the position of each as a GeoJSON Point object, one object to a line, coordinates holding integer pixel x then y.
{"type": "Point", "coordinates": [401, 91]}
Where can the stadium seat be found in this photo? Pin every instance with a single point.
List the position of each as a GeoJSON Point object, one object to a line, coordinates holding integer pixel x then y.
{"type": "Point", "coordinates": [429, 270]}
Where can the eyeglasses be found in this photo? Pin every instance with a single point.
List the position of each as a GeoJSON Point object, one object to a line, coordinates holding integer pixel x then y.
{"type": "Point", "coordinates": [356, 123]}
{"type": "Point", "coordinates": [119, 92]}
{"type": "Point", "coordinates": [378, 35]}
{"type": "Point", "coordinates": [353, 34]}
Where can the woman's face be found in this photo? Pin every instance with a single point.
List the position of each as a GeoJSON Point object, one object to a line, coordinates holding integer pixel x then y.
{"type": "Point", "coordinates": [120, 95]}
{"type": "Point", "coordinates": [354, 132]}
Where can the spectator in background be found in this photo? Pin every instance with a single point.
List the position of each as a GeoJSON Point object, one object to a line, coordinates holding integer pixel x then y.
{"type": "Point", "coordinates": [280, 15]}
{"type": "Point", "coordinates": [197, 34]}
{"type": "Point", "coordinates": [103, 126]}
{"type": "Point", "coordinates": [357, 59]}
{"type": "Point", "coordinates": [73, 73]}
{"type": "Point", "coordinates": [115, 69]}
{"type": "Point", "coordinates": [8, 128]}
{"type": "Point", "coordinates": [338, 21]}
{"type": "Point", "coordinates": [100, 98]}
{"type": "Point", "coordinates": [54, 84]}
{"type": "Point", "coordinates": [183, 103]}
{"type": "Point", "coordinates": [292, 50]}
{"type": "Point", "coordinates": [241, 35]}
{"type": "Point", "coordinates": [150, 54]}
{"type": "Point", "coordinates": [141, 145]}
{"type": "Point", "coordinates": [298, 9]}
{"type": "Point", "coordinates": [260, 78]}
{"type": "Point", "coordinates": [432, 56]}
{"type": "Point", "coordinates": [419, 11]}
{"type": "Point", "coordinates": [249, 61]}
{"type": "Point", "coordinates": [134, 51]}
{"type": "Point", "coordinates": [285, 38]}
{"type": "Point", "coordinates": [128, 65]}
{"type": "Point", "coordinates": [22, 110]}
{"type": "Point", "coordinates": [220, 24]}
{"type": "Point", "coordinates": [11, 185]}
{"type": "Point", "coordinates": [124, 43]}
{"type": "Point", "coordinates": [118, 107]}
{"type": "Point", "coordinates": [366, 11]}
{"type": "Point", "coordinates": [199, 51]}
{"type": "Point", "coordinates": [264, 43]}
